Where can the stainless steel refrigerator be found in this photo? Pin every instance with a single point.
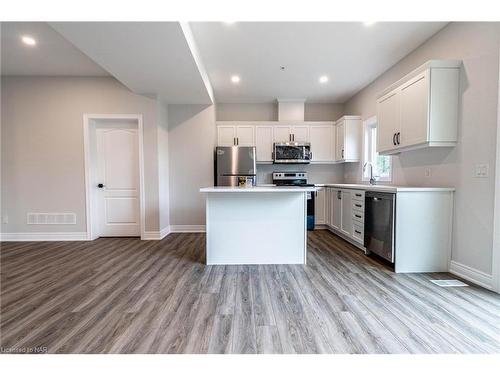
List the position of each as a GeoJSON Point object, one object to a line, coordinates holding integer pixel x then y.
{"type": "Point", "coordinates": [235, 165]}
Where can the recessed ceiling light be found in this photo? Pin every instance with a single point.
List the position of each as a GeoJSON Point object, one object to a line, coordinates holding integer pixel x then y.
{"type": "Point", "coordinates": [323, 79]}
{"type": "Point", "coordinates": [369, 23]}
{"type": "Point", "coordinates": [235, 79]}
{"type": "Point", "coordinates": [28, 40]}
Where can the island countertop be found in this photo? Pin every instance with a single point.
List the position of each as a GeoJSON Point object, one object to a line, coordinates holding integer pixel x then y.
{"type": "Point", "coordinates": [257, 189]}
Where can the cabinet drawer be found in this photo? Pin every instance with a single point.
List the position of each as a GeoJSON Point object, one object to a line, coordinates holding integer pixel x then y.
{"type": "Point", "coordinates": [358, 233]}
{"type": "Point", "coordinates": [358, 205]}
{"type": "Point", "coordinates": [358, 216]}
{"type": "Point", "coordinates": [358, 195]}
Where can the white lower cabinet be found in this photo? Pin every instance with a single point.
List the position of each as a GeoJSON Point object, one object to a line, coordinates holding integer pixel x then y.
{"type": "Point", "coordinates": [345, 213]}
{"type": "Point", "coordinates": [346, 222]}
{"type": "Point", "coordinates": [320, 206]}
{"type": "Point", "coordinates": [421, 244]}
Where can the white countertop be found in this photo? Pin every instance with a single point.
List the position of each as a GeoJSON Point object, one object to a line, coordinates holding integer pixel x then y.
{"type": "Point", "coordinates": [257, 189]}
{"type": "Point", "coordinates": [385, 188]}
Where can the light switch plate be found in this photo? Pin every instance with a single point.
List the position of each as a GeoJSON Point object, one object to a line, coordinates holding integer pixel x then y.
{"type": "Point", "coordinates": [482, 170]}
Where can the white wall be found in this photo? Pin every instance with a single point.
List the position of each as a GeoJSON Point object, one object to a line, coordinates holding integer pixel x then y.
{"type": "Point", "coordinates": [191, 142]}
{"type": "Point", "coordinates": [163, 167]}
{"type": "Point", "coordinates": [477, 44]}
{"type": "Point", "coordinates": [42, 146]}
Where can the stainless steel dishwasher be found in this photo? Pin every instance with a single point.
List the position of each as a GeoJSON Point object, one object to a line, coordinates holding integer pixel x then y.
{"type": "Point", "coordinates": [380, 211]}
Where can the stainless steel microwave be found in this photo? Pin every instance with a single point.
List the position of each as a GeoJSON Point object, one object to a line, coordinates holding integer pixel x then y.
{"type": "Point", "coordinates": [292, 153]}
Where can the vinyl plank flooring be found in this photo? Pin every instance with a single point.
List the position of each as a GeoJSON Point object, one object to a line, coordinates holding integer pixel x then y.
{"type": "Point", "coordinates": [123, 295]}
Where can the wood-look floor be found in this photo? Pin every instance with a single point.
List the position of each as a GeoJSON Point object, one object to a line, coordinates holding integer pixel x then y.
{"type": "Point", "coordinates": [132, 296]}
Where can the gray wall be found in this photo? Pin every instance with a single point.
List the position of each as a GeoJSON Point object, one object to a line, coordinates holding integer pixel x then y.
{"type": "Point", "coordinates": [477, 44]}
{"type": "Point", "coordinates": [191, 142]}
{"type": "Point", "coordinates": [42, 146]}
{"type": "Point", "coordinates": [269, 111]}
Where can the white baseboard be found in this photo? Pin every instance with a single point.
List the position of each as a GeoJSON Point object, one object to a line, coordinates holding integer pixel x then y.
{"type": "Point", "coordinates": [187, 228]}
{"type": "Point", "coordinates": [468, 273]}
{"type": "Point", "coordinates": [44, 236]}
{"type": "Point", "coordinates": [156, 235]}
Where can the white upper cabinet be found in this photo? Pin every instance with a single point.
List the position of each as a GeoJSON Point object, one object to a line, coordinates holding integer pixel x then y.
{"type": "Point", "coordinates": [285, 133]}
{"type": "Point", "coordinates": [300, 133]}
{"type": "Point", "coordinates": [348, 139]}
{"type": "Point", "coordinates": [245, 135]}
{"type": "Point", "coordinates": [388, 114]}
{"type": "Point", "coordinates": [226, 135]}
{"type": "Point", "coordinates": [421, 109]}
{"type": "Point", "coordinates": [329, 143]}
{"type": "Point", "coordinates": [264, 143]}
{"type": "Point", "coordinates": [282, 133]}
{"type": "Point", "coordinates": [322, 145]}
{"type": "Point", "coordinates": [235, 135]}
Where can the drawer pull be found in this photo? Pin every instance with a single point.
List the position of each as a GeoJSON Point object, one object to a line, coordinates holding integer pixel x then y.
{"type": "Point", "coordinates": [358, 216]}
{"type": "Point", "coordinates": [358, 195]}
{"type": "Point", "coordinates": [357, 205]}
{"type": "Point", "coordinates": [357, 231]}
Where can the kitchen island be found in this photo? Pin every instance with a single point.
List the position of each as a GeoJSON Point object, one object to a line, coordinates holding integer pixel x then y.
{"type": "Point", "coordinates": [256, 225]}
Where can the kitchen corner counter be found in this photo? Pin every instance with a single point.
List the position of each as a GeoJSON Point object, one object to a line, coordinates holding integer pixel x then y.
{"type": "Point", "coordinates": [386, 188]}
{"type": "Point", "coordinates": [258, 189]}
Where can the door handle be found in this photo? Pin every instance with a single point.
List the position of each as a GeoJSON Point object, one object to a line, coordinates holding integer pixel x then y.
{"type": "Point", "coordinates": [100, 186]}
{"type": "Point", "coordinates": [342, 153]}
{"type": "Point", "coordinates": [237, 141]}
{"type": "Point", "coordinates": [394, 139]}
{"type": "Point", "coordinates": [397, 138]}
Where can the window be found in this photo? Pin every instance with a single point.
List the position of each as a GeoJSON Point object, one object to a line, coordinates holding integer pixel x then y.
{"type": "Point", "coordinates": [382, 164]}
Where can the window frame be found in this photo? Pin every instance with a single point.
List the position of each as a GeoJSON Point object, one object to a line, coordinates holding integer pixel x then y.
{"type": "Point", "coordinates": [368, 125]}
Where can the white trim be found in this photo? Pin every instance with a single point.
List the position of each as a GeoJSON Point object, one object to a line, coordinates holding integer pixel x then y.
{"type": "Point", "coordinates": [156, 235]}
{"type": "Point", "coordinates": [88, 168]}
{"type": "Point", "coordinates": [468, 273]}
{"type": "Point", "coordinates": [371, 122]}
{"type": "Point", "coordinates": [187, 228]}
{"type": "Point", "coordinates": [44, 236]}
{"type": "Point", "coordinates": [495, 255]}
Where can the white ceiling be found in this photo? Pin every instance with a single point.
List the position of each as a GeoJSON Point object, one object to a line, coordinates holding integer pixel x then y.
{"type": "Point", "coordinates": [151, 58]}
{"type": "Point", "coordinates": [52, 56]}
{"type": "Point", "coordinates": [351, 54]}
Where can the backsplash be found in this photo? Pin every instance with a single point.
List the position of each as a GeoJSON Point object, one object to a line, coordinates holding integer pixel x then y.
{"type": "Point", "coordinates": [317, 173]}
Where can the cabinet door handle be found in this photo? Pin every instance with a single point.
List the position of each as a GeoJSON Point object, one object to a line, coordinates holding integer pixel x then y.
{"type": "Point", "coordinates": [357, 231]}
{"type": "Point", "coordinates": [237, 141]}
{"type": "Point", "coordinates": [394, 139]}
{"type": "Point", "coordinates": [358, 195]}
{"type": "Point", "coordinates": [357, 205]}
{"type": "Point", "coordinates": [358, 216]}
{"type": "Point", "coordinates": [397, 138]}
{"type": "Point", "coordinates": [342, 153]}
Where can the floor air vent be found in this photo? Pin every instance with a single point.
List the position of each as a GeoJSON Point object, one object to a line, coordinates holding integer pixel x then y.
{"type": "Point", "coordinates": [448, 283]}
{"type": "Point", "coordinates": [50, 218]}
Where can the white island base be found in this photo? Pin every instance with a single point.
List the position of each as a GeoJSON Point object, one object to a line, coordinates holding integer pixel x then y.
{"type": "Point", "coordinates": [256, 225]}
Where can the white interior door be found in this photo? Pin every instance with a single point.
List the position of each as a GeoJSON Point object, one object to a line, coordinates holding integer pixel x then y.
{"type": "Point", "coordinates": [118, 205]}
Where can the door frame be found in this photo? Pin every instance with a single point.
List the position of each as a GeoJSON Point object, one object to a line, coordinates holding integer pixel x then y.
{"type": "Point", "coordinates": [88, 127]}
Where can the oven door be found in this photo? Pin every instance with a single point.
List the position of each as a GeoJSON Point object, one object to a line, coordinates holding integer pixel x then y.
{"type": "Point", "coordinates": [292, 153]}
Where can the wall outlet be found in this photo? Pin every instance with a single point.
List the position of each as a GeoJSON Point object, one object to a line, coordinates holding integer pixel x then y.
{"type": "Point", "coordinates": [5, 219]}
{"type": "Point", "coordinates": [428, 172]}
{"type": "Point", "coordinates": [482, 170]}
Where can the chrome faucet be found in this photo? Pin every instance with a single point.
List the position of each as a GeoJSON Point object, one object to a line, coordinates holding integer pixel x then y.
{"type": "Point", "coordinates": [373, 179]}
